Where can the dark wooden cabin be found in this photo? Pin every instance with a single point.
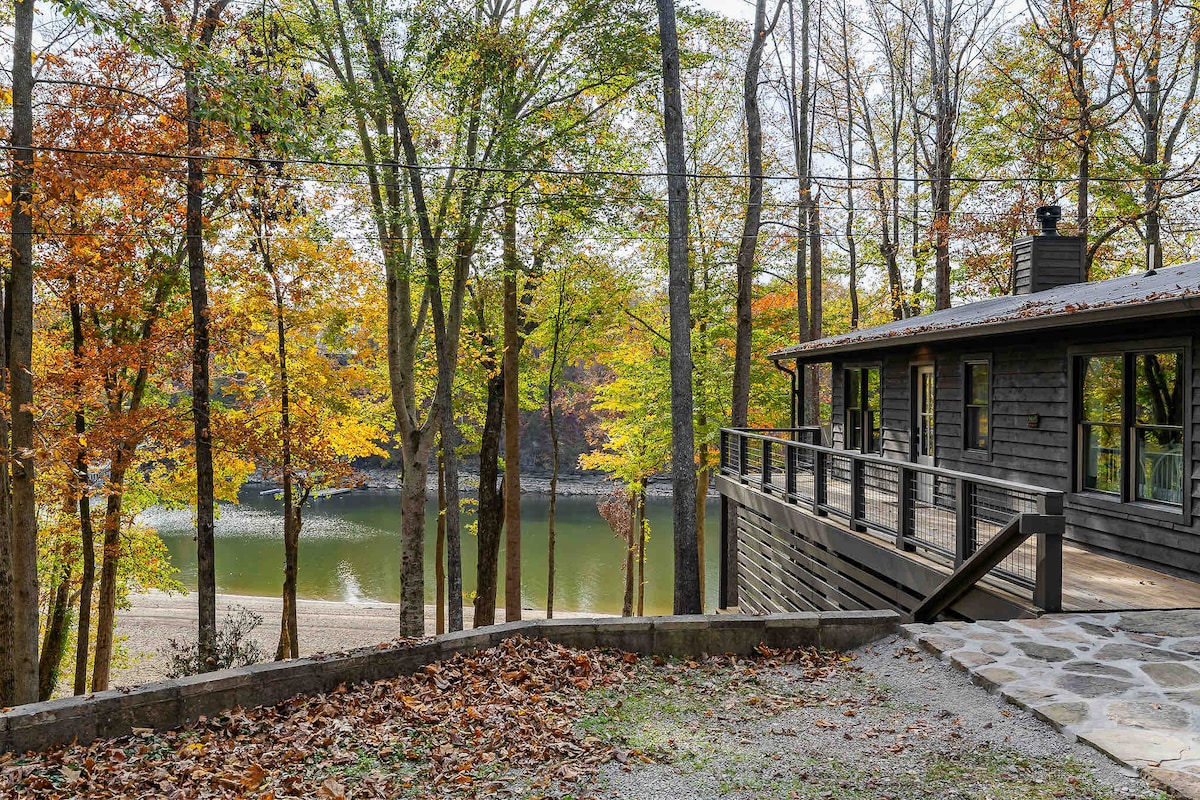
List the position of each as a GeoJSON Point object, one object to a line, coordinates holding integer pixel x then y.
{"type": "Point", "coordinates": [1014, 455]}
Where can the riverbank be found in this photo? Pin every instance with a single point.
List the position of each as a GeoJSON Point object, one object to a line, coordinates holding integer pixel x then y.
{"type": "Point", "coordinates": [572, 484]}
{"type": "Point", "coordinates": [325, 627]}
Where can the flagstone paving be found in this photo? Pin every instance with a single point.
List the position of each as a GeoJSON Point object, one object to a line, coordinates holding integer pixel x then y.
{"type": "Point", "coordinates": [1126, 683]}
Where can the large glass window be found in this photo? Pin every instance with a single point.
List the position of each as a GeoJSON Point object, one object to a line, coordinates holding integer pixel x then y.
{"type": "Point", "coordinates": [976, 413]}
{"type": "Point", "coordinates": [1131, 425]}
{"type": "Point", "coordinates": [862, 409]}
{"type": "Point", "coordinates": [1158, 427]}
{"type": "Point", "coordinates": [1101, 422]}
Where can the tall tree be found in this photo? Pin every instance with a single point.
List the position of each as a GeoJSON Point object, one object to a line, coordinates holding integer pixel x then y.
{"type": "Point", "coordinates": [1073, 30]}
{"type": "Point", "coordinates": [114, 256]}
{"type": "Point", "coordinates": [1158, 55]}
{"type": "Point", "coordinates": [415, 214]}
{"type": "Point", "coordinates": [683, 461]}
{"type": "Point", "coordinates": [19, 683]}
{"type": "Point", "coordinates": [198, 29]}
{"type": "Point", "coordinates": [512, 420]}
{"type": "Point", "coordinates": [951, 36]}
{"type": "Point", "coordinates": [750, 228]}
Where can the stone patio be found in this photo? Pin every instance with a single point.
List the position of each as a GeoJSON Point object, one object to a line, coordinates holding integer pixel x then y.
{"type": "Point", "coordinates": [1126, 683]}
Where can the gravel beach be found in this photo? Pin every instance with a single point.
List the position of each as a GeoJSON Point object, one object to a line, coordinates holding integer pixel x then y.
{"type": "Point", "coordinates": [325, 627]}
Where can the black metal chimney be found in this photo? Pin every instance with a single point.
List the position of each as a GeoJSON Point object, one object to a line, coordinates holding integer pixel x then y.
{"type": "Point", "coordinates": [1048, 217]}
{"type": "Point", "coordinates": [1048, 260]}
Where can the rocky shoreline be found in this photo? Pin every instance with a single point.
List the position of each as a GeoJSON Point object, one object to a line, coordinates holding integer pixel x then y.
{"type": "Point", "coordinates": [573, 484]}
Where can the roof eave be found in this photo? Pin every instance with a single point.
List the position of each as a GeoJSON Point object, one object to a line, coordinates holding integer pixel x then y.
{"type": "Point", "coordinates": [1159, 308]}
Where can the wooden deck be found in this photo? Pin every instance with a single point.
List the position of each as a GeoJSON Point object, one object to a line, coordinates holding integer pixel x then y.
{"type": "Point", "coordinates": [1093, 582]}
{"type": "Point", "coordinates": [827, 529]}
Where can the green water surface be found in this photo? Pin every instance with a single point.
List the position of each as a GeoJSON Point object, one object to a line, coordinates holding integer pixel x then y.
{"type": "Point", "coordinates": [350, 551]}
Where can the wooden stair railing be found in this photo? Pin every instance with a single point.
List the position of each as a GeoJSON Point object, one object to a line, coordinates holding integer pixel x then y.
{"type": "Point", "coordinates": [972, 570]}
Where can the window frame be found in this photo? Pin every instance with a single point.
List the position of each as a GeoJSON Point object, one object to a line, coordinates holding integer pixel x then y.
{"type": "Point", "coordinates": [914, 388]}
{"type": "Point", "coordinates": [1128, 350]}
{"type": "Point", "coordinates": [861, 409]}
{"type": "Point", "coordinates": [965, 439]}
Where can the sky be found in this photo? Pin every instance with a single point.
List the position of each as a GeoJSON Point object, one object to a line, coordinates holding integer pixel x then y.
{"type": "Point", "coordinates": [737, 9]}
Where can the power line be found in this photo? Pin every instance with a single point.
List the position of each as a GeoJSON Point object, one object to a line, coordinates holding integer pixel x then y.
{"type": "Point", "coordinates": [535, 198]}
{"type": "Point", "coordinates": [605, 173]}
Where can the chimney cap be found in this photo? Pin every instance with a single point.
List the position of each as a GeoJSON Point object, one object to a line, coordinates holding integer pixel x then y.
{"type": "Point", "coordinates": [1048, 217]}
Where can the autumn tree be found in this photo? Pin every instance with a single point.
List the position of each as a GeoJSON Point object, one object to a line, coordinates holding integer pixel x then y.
{"type": "Point", "coordinates": [683, 479]}
{"type": "Point", "coordinates": [305, 364]}
{"type": "Point", "coordinates": [634, 440]}
{"type": "Point", "coordinates": [18, 512]}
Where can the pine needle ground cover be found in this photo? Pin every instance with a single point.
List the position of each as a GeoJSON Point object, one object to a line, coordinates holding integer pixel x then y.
{"type": "Point", "coordinates": [532, 719]}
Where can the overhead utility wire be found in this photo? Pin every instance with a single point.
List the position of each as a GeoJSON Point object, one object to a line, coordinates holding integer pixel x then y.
{"type": "Point", "coordinates": [539, 198]}
{"type": "Point", "coordinates": [594, 173]}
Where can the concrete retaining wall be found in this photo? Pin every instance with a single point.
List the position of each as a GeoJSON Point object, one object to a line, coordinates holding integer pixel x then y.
{"type": "Point", "coordinates": [172, 703]}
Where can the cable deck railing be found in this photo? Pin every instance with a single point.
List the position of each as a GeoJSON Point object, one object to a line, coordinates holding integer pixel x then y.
{"type": "Point", "coordinates": [944, 515]}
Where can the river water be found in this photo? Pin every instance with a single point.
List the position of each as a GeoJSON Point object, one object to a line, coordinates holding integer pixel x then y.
{"type": "Point", "coordinates": [350, 551]}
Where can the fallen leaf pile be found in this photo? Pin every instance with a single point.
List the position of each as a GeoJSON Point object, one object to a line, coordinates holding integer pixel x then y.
{"type": "Point", "coordinates": [472, 726]}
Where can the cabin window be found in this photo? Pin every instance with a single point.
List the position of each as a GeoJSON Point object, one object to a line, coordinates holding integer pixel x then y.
{"type": "Point", "coordinates": [1103, 380]}
{"type": "Point", "coordinates": [1158, 426]}
{"type": "Point", "coordinates": [977, 394]}
{"type": "Point", "coordinates": [862, 409]}
{"type": "Point", "coordinates": [1131, 425]}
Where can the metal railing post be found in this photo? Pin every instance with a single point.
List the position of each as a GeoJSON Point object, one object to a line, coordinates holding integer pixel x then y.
{"type": "Point", "coordinates": [858, 495]}
{"type": "Point", "coordinates": [728, 577]}
{"type": "Point", "coordinates": [789, 472]}
{"type": "Point", "coordinates": [765, 481]}
{"type": "Point", "coordinates": [820, 490]}
{"type": "Point", "coordinates": [905, 508]}
{"type": "Point", "coordinates": [964, 527]}
{"type": "Point", "coordinates": [743, 455]}
{"type": "Point", "coordinates": [724, 450]}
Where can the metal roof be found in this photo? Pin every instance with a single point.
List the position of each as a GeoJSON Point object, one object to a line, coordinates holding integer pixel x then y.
{"type": "Point", "coordinates": [1170, 291]}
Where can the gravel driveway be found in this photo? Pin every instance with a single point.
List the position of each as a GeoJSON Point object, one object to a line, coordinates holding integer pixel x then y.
{"type": "Point", "coordinates": [896, 723]}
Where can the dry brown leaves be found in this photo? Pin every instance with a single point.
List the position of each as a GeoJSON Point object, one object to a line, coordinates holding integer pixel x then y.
{"type": "Point", "coordinates": [459, 728]}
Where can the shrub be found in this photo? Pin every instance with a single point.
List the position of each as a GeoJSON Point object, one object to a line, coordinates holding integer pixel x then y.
{"type": "Point", "coordinates": [236, 646]}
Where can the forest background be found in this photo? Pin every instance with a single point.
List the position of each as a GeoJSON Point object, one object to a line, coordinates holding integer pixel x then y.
{"type": "Point", "coordinates": [300, 236]}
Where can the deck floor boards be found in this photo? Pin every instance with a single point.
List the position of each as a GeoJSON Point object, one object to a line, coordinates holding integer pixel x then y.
{"type": "Point", "coordinates": [1092, 582]}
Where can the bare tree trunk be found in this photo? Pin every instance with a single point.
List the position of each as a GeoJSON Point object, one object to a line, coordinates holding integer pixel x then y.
{"type": "Point", "coordinates": [491, 500]}
{"type": "Point", "coordinates": [55, 642]}
{"type": "Point", "coordinates": [512, 421]}
{"type": "Point", "coordinates": [816, 274]}
{"type": "Point", "coordinates": [749, 241]}
{"type": "Point", "coordinates": [206, 592]}
{"type": "Point", "coordinates": [439, 554]}
{"type": "Point", "coordinates": [412, 540]}
{"type": "Point", "coordinates": [640, 531]}
{"type": "Point", "coordinates": [683, 461]}
{"type": "Point", "coordinates": [288, 646]}
{"type": "Point", "coordinates": [801, 154]}
{"type": "Point", "coordinates": [7, 601]}
{"type": "Point", "coordinates": [24, 580]}
{"type": "Point", "coordinates": [206, 580]}
{"type": "Point", "coordinates": [454, 585]}
{"type": "Point", "coordinates": [551, 520]}
{"type": "Point", "coordinates": [851, 248]}
{"type": "Point", "coordinates": [551, 514]}
{"type": "Point", "coordinates": [107, 607]}
{"type": "Point", "coordinates": [84, 505]}
{"type": "Point", "coordinates": [627, 602]}
{"type": "Point", "coordinates": [914, 212]}
{"type": "Point", "coordinates": [703, 475]}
